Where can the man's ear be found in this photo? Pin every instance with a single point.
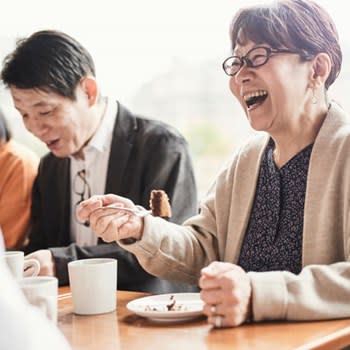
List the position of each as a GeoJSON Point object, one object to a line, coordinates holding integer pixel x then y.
{"type": "Point", "coordinates": [89, 87]}
{"type": "Point", "coordinates": [320, 69]}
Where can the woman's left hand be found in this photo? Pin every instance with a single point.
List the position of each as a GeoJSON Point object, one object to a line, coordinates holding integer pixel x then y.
{"type": "Point", "coordinates": [226, 292]}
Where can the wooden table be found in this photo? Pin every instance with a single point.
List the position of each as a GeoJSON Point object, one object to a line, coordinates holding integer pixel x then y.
{"type": "Point", "coordinates": [123, 330]}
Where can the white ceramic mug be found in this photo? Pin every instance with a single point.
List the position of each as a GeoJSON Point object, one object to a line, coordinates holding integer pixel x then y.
{"type": "Point", "coordinates": [93, 283]}
{"type": "Point", "coordinates": [42, 292]}
{"type": "Point", "coordinates": [19, 266]}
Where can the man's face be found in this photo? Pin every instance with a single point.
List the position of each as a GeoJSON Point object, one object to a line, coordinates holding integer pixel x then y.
{"type": "Point", "coordinates": [62, 124]}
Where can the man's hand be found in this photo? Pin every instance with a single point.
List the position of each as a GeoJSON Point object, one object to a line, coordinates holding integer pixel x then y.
{"type": "Point", "coordinates": [46, 260]}
{"type": "Point", "coordinates": [226, 292]}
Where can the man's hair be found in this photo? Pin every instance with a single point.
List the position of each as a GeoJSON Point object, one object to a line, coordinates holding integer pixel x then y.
{"type": "Point", "coordinates": [300, 25]}
{"type": "Point", "coordinates": [48, 60]}
{"type": "Point", "coordinates": [5, 132]}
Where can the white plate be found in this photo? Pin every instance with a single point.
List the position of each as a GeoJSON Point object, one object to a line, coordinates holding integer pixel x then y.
{"type": "Point", "coordinates": [155, 307]}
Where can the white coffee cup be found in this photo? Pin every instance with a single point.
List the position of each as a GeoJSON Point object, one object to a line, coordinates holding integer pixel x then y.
{"type": "Point", "coordinates": [19, 266]}
{"type": "Point", "coordinates": [42, 291]}
{"type": "Point", "coordinates": [93, 283]}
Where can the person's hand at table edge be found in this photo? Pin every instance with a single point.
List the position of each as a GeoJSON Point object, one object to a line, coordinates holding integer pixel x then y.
{"type": "Point", "coordinates": [226, 292]}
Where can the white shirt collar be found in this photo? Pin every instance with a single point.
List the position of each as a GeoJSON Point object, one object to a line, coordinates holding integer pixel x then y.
{"type": "Point", "coordinates": [101, 139]}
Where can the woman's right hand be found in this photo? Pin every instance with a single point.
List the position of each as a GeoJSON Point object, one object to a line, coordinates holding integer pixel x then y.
{"type": "Point", "coordinates": [109, 224]}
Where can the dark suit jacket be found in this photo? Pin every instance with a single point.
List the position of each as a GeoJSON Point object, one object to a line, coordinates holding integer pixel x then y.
{"type": "Point", "coordinates": [145, 155]}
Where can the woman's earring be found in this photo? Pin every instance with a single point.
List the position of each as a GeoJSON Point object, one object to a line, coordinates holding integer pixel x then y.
{"type": "Point", "coordinates": [314, 99]}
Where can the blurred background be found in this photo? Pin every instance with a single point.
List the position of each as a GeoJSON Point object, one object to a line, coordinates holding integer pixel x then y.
{"type": "Point", "coordinates": [162, 59]}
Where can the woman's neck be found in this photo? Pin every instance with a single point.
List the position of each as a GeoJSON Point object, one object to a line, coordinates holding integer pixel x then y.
{"type": "Point", "coordinates": [295, 138]}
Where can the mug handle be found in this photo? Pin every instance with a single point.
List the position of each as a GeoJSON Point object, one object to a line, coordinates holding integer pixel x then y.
{"type": "Point", "coordinates": [31, 267]}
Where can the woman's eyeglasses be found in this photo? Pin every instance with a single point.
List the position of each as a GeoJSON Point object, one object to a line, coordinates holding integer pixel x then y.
{"type": "Point", "coordinates": [81, 188]}
{"type": "Point", "coordinates": [256, 57]}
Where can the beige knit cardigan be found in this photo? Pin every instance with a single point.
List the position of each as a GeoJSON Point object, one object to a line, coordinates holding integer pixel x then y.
{"type": "Point", "coordinates": [322, 289]}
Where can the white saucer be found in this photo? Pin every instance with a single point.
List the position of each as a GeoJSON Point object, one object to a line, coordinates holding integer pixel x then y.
{"type": "Point", "coordinates": [187, 306]}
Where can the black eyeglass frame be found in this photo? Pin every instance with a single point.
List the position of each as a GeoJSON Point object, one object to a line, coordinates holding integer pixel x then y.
{"type": "Point", "coordinates": [86, 190]}
{"type": "Point", "coordinates": [250, 64]}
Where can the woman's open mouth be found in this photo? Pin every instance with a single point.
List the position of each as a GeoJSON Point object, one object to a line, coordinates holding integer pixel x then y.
{"type": "Point", "coordinates": [255, 99]}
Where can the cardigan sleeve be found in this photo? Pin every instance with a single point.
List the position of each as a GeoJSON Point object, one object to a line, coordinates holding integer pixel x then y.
{"type": "Point", "coordinates": [318, 292]}
{"type": "Point", "coordinates": [179, 252]}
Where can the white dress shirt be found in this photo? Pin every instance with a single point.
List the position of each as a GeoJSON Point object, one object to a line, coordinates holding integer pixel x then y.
{"type": "Point", "coordinates": [95, 163]}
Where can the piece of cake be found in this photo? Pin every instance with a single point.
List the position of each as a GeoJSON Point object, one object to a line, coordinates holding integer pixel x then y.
{"type": "Point", "coordinates": [159, 203]}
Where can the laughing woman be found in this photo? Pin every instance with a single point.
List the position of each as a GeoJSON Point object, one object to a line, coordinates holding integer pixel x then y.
{"type": "Point", "coordinates": [272, 240]}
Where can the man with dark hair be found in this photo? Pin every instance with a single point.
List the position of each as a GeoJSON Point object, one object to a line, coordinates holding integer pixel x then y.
{"type": "Point", "coordinates": [97, 146]}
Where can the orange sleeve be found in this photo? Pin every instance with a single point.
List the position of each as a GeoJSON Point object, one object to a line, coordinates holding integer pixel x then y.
{"type": "Point", "coordinates": [16, 181]}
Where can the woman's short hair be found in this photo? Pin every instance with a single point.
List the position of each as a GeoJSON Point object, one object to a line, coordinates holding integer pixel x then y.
{"type": "Point", "coordinates": [48, 60]}
{"type": "Point", "coordinates": [300, 25]}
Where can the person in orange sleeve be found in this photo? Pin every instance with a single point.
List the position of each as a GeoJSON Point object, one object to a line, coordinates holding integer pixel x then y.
{"type": "Point", "coordinates": [18, 169]}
